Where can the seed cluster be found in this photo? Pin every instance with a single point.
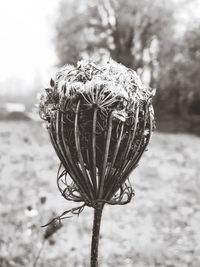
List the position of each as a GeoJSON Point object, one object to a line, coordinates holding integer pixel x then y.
{"type": "Point", "coordinates": [100, 119]}
{"type": "Point", "coordinates": [110, 86]}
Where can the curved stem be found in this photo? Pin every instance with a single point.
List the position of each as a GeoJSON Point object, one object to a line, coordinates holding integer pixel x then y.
{"type": "Point", "coordinates": [94, 163]}
{"type": "Point", "coordinates": [95, 234]}
{"type": "Point", "coordinates": [106, 153]}
{"type": "Point", "coordinates": [79, 153]}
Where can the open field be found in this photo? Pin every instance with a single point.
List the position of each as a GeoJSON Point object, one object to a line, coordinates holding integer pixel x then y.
{"type": "Point", "coordinates": [160, 227]}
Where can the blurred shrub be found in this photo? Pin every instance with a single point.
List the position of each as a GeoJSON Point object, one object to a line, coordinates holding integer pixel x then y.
{"type": "Point", "coordinates": [128, 30]}
{"type": "Point", "coordinates": [141, 35]}
{"type": "Point", "coordinates": [179, 80]}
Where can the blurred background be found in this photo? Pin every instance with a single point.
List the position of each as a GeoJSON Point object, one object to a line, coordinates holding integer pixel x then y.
{"type": "Point", "coordinates": [161, 41]}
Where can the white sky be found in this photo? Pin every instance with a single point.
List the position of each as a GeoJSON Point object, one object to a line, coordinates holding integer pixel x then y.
{"type": "Point", "coordinates": [26, 32]}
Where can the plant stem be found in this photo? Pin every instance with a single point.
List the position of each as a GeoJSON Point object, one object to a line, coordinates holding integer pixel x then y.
{"type": "Point", "coordinates": [39, 253]}
{"type": "Point", "coordinates": [95, 234]}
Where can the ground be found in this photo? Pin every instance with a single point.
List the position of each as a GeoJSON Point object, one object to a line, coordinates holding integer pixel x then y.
{"type": "Point", "coordinates": [160, 227]}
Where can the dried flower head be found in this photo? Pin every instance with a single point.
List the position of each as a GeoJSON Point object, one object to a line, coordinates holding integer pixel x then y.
{"type": "Point", "coordinates": [100, 120]}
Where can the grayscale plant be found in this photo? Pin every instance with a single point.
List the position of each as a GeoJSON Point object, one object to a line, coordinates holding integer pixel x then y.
{"type": "Point", "coordinates": [100, 120]}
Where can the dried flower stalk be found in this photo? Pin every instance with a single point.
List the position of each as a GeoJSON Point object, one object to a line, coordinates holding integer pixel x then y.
{"type": "Point", "coordinates": [100, 120]}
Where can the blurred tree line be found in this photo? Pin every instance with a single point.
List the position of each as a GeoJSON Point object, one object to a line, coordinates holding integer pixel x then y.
{"type": "Point", "coordinates": [143, 35]}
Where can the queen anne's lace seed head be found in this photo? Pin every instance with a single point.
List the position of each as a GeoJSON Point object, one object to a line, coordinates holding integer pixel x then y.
{"type": "Point", "coordinates": [112, 79]}
{"type": "Point", "coordinates": [100, 119]}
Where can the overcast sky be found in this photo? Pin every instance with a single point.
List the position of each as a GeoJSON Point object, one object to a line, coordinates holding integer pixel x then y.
{"type": "Point", "coordinates": [26, 38]}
